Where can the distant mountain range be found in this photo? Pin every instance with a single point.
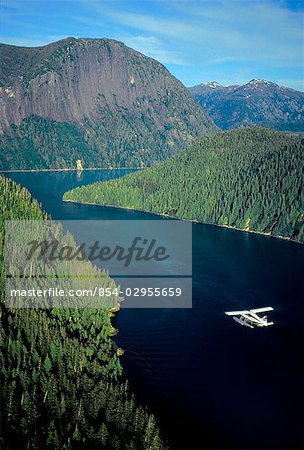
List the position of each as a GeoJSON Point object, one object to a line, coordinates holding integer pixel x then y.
{"type": "Point", "coordinates": [91, 99]}
{"type": "Point", "coordinates": [258, 102]}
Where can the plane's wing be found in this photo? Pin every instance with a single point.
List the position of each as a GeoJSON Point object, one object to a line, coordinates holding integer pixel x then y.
{"type": "Point", "coordinates": [252, 316]}
{"type": "Point", "coordinates": [257, 310]}
{"type": "Point", "coordinates": [237, 313]}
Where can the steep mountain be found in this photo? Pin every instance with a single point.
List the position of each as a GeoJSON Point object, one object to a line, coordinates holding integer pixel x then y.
{"type": "Point", "coordinates": [91, 99]}
{"type": "Point", "coordinates": [258, 102]}
{"type": "Point", "coordinates": [251, 179]}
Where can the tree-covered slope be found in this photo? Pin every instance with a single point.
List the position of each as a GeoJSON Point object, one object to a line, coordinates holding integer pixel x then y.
{"type": "Point", "coordinates": [251, 179]}
{"type": "Point", "coordinates": [125, 107]}
{"type": "Point", "coordinates": [61, 378]}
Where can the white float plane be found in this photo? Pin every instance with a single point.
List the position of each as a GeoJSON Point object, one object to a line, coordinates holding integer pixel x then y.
{"type": "Point", "coordinates": [249, 317]}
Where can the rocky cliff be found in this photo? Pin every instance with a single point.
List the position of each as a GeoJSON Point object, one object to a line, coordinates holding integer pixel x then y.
{"type": "Point", "coordinates": [126, 107]}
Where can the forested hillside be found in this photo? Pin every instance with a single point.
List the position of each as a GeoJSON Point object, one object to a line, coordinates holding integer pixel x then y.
{"type": "Point", "coordinates": [39, 142]}
{"type": "Point", "coordinates": [61, 379]}
{"type": "Point", "coordinates": [251, 179]}
{"type": "Point", "coordinates": [91, 99]}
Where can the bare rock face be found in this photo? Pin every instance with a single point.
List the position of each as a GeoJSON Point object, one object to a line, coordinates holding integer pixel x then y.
{"type": "Point", "coordinates": [127, 107]}
{"type": "Point", "coordinates": [258, 102]}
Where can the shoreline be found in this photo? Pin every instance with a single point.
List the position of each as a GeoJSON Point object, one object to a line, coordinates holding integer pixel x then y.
{"type": "Point", "coordinates": [190, 220]}
{"type": "Point", "coordinates": [72, 169]}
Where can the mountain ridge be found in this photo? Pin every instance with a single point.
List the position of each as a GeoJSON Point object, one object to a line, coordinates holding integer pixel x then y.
{"type": "Point", "coordinates": [258, 102]}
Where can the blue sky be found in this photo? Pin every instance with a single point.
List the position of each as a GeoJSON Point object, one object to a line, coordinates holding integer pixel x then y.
{"type": "Point", "coordinates": [229, 41]}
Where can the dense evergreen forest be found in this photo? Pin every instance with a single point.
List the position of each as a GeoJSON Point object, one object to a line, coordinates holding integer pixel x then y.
{"type": "Point", "coordinates": [251, 179]}
{"type": "Point", "coordinates": [39, 143]}
{"type": "Point", "coordinates": [62, 385]}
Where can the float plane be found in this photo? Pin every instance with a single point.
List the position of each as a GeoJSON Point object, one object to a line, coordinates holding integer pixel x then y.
{"type": "Point", "coordinates": [250, 318]}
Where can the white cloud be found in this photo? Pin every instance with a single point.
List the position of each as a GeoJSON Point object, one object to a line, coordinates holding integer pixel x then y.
{"type": "Point", "coordinates": [221, 60]}
{"type": "Point", "coordinates": [165, 27]}
{"type": "Point", "coordinates": [246, 31]}
{"type": "Point", "coordinates": [153, 47]}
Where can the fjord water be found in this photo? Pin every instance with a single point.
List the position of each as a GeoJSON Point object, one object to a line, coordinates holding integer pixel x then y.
{"type": "Point", "coordinates": [211, 382]}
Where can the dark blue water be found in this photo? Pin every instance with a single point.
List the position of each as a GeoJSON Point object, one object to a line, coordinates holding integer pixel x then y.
{"type": "Point", "coordinates": [211, 382]}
